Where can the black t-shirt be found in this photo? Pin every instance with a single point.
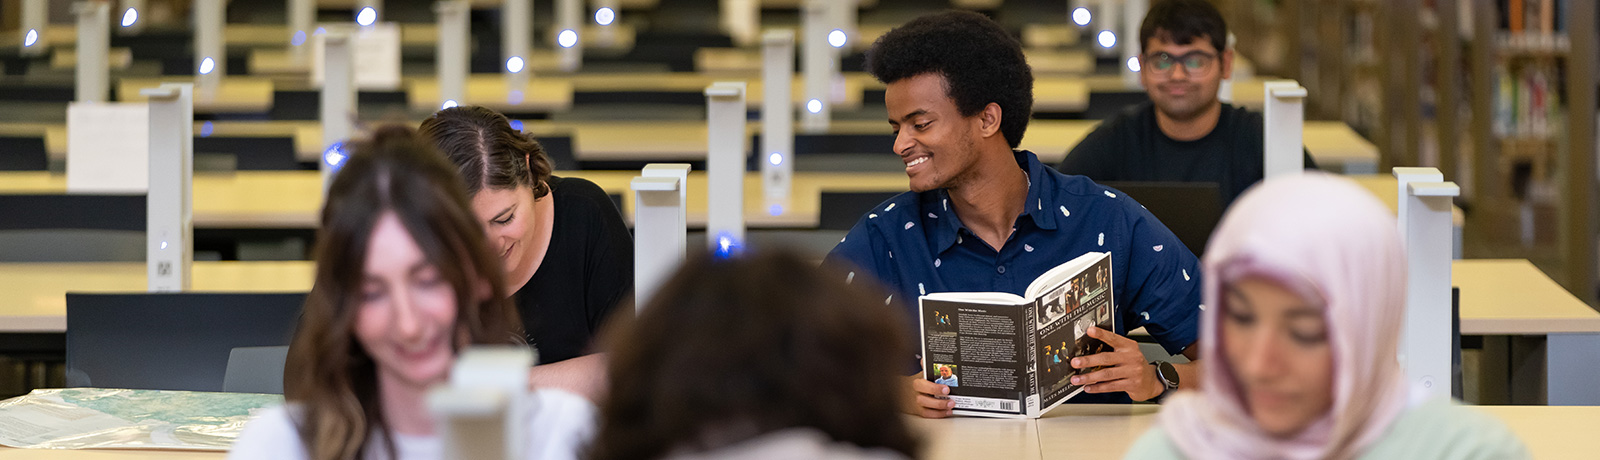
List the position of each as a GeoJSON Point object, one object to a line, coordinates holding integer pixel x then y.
{"type": "Point", "coordinates": [586, 271]}
{"type": "Point", "coordinates": [1130, 147]}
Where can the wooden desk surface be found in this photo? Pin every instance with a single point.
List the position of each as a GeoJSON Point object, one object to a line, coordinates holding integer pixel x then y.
{"type": "Point", "coordinates": [1084, 431]}
{"type": "Point", "coordinates": [1513, 297]}
{"type": "Point", "coordinates": [33, 295]}
{"type": "Point", "coordinates": [747, 61]}
{"type": "Point", "coordinates": [254, 199]}
{"type": "Point", "coordinates": [495, 92]}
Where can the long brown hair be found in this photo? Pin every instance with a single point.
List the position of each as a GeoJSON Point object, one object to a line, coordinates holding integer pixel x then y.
{"type": "Point", "coordinates": [732, 349]}
{"type": "Point", "coordinates": [486, 151]}
{"type": "Point", "coordinates": [328, 373]}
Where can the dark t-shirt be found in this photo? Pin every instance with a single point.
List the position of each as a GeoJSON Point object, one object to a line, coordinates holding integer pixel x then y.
{"type": "Point", "coordinates": [587, 270]}
{"type": "Point", "coordinates": [1130, 147]}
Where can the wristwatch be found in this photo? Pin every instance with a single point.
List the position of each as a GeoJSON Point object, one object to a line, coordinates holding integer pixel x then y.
{"type": "Point", "coordinates": [1168, 375]}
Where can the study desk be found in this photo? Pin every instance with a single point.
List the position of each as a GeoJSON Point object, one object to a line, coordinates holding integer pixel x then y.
{"type": "Point", "coordinates": [1515, 298]}
{"type": "Point", "coordinates": [233, 94]}
{"type": "Point", "coordinates": [748, 61]}
{"type": "Point", "coordinates": [33, 295]}
{"type": "Point", "coordinates": [1071, 431]}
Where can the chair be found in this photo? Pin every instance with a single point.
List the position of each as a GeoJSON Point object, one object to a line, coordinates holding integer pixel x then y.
{"type": "Point", "coordinates": [72, 228]}
{"type": "Point", "coordinates": [255, 370]}
{"type": "Point", "coordinates": [841, 210]}
{"type": "Point", "coordinates": [176, 341]}
{"type": "Point", "coordinates": [1191, 210]}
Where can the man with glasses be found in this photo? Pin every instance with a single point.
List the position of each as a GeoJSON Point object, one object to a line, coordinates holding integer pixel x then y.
{"type": "Point", "coordinates": [1184, 134]}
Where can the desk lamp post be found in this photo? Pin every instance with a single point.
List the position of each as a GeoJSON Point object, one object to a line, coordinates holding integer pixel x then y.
{"type": "Point", "coordinates": [94, 43]}
{"type": "Point", "coordinates": [338, 102]}
{"type": "Point", "coordinates": [169, 201]}
{"type": "Point", "coordinates": [515, 42]}
{"type": "Point", "coordinates": [452, 55]}
{"type": "Point", "coordinates": [725, 164]}
{"type": "Point", "coordinates": [660, 226]}
{"type": "Point", "coordinates": [1284, 134]}
{"type": "Point", "coordinates": [35, 19]}
{"type": "Point", "coordinates": [209, 58]}
{"type": "Point", "coordinates": [1426, 228]}
{"type": "Point", "coordinates": [777, 118]}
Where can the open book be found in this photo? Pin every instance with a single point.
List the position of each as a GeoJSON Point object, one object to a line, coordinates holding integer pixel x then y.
{"type": "Point", "coordinates": [1005, 355]}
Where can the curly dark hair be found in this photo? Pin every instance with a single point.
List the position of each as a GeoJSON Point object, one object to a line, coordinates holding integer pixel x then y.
{"type": "Point", "coordinates": [1182, 22]}
{"type": "Point", "coordinates": [729, 350]}
{"type": "Point", "coordinates": [487, 151]}
{"type": "Point", "coordinates": [981, 63]}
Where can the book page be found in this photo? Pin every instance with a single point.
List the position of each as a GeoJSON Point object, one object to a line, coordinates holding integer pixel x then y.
{"type": "Point", "coordinates": [976, 349]}
{"type": "Point", "coordinates": [1065, 316]}
{"type": "Point", "coordinates": [103, 418]}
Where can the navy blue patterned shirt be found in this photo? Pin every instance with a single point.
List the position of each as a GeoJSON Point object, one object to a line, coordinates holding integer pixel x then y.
{"type": "Point", "coordinates": [916, 244]}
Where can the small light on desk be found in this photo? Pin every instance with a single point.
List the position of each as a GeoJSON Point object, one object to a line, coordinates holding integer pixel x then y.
{"type": "Point", "coordinates": [605, 16]}
{"type": "Point", "coordinates": [163, 245]}
{"type": "Point", "coordinates": [814, 106]}
{"type": "Point", "coordinates": [727, 246]}
{"type": "Point", "coordinates": [837, 38]}
{"type": "Point", "coordinates": [205, 129]}
{"type": "Point", "coordinates": [299, 38]}
{"type": "Point", "coordinates": [1080, 16]}
{"type": "Point", "coordinates": [514, 97]}
{"type": "Point", "coordinates": [130, 17]}
{"type": "Point", "coordinates": [775, 158]}
{"type": "Point", "coordinates": [1107, 39]}
{"type": "Point", "coordinates": [1133, 63]}
{"type": "Point", "coordinates": [514, 64]}
{"type": "Point", "coordinates": [567, 38]}
{"type": "Point", "coordinates": [367, 16]}
{"type": "Point", "coordinates": [334, 156]}
{"type": "Point", "coordinates": [775, 210]}
{"type": "Point", "coordinates": [448, 103]}
{"type": "Point", "coordinates": [516, 124]}
{"type": "Point", "coordinates": [207, 65]}
{"type": "Point", "coordinates": [33, 37]}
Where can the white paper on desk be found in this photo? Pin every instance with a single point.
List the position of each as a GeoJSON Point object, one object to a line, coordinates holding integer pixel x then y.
{"type": "Point", "coordinates": [98, 418]}
{"type": "Point", "coordinates": [108, 147]}
{"type": "Point", "coordinates": [377, 55]}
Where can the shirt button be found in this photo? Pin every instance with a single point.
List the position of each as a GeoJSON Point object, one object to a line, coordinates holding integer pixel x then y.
{"type": "Point", "coordinates": [1001, 269]}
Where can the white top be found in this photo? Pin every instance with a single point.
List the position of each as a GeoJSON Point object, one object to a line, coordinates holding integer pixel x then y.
{"type": "Point", "coordinates": [561, 425]}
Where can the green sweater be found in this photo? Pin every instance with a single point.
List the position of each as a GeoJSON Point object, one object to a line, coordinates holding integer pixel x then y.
{"type": "Point", "coordinates": [1438, 429]}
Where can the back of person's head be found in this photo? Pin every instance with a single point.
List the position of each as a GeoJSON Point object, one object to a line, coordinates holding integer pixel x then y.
{"type": "Point", "coordinates": [729, 350]}
{"type": "Point", "coordinates": [329, 374]}
{"type": "Point", "coordinates": [1181, 22]}
{"type": "Point", "coordinates": [1305, 287]}
{"type": "Point", "coordinates": [486, 150]}
{"type": "Point", "coordinates": [981, 64]}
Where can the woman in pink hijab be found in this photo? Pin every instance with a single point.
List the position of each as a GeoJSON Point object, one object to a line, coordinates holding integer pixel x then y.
{"type": "Point", "coordinates": [1305, 294]}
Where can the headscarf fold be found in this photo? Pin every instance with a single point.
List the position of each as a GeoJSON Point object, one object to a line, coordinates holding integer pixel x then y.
{"type": "Point", "coordinates": [1325, 238]}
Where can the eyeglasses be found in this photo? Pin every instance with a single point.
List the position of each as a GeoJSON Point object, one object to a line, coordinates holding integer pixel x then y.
{"type": "Point", "coordinates": [1193, 61]}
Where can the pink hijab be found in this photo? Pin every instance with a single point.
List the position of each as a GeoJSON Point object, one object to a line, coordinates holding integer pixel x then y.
{"type": "Point", "coordinates": [1325, 238]}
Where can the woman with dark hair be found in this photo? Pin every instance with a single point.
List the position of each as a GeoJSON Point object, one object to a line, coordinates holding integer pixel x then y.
{"type": "Point", "coordinates": [764, 356]}
{"type": "Point", "coordinates": [404, 281]}
{"type": "Point", "coordinates": [567, 255]}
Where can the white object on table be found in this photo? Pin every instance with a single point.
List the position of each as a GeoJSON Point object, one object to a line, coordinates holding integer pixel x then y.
{"type": "Point", "coordinates": [1426, 228]}
{"type": "Point", "coordinates": [1283, 133]}
{"type": "Point", "coordinates": [661, 225]}
{"type": "Point", "coordinates": [478, 415]}
{"type": "Point", "coordinates": [375, 51]}
{"type": "Point", "coordinates": [210, 59]}
{"type": "Point", "coordinates": [821, 66]}
{"type": "Point", "coordinates": [454, 38]}
{"type": "Point", "coordinates": [169, 225]}
{"type": "Point", "coordinates": [338, 102]}
{"type": "Point", "coordinates": [777, 117]}
{"type": "Point", "coordinates": [741, 19]}
{"type": "Point", "coordinates": [108, 147]}
{"type": "Point", "coordinates": [94, 42]}
{"type": "Point", "coordinates": [725, 165]}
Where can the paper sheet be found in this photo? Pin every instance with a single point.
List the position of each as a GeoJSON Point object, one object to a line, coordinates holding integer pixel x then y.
{"type": "Point", "coordinates": [96, 418]}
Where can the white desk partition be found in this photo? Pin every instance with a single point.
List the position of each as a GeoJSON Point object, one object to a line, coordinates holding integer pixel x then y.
{"type": "Point", "coordinates": [338, 102]}
{"type": "Point", "coordinates": [660, 226]}
{"type": "Point", "coordinates": [454, 41]}
{"type": "Point", "coordinates": [35, 19]}
{"type": "Point", "coordinates": [302, 22]}
{"type": "Point", "coordinates": [210, 59]}
{"type": "Point", "coordinates": [516, 29]}
{"type": "Point", "coordinates": [1284, 129]}
{"type": "Point", "coordinates": [820, 67]}
{"type": "Point", "coordinates": [569, 34]}
{"type": "Point", "coordinates": [130, 17]}
{"type": "Point", "coordinates": [1425, 224]}
{"type": "Point", "coordinates": [725, 165]}
{"type": "Point", "coordinates": [777, 118]}
{"type": "Point", "coordinates": [170, 203]}
{"type": "Point", "coordinates": [94, 43]}
{"type": "Point", "coordinates": [741, 19]}
{"type": "Point", "coordinates": [480, 414]}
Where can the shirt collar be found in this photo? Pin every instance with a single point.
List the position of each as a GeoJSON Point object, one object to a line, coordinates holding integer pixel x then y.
{"type": "Point", "coordinates": [943, 227]}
